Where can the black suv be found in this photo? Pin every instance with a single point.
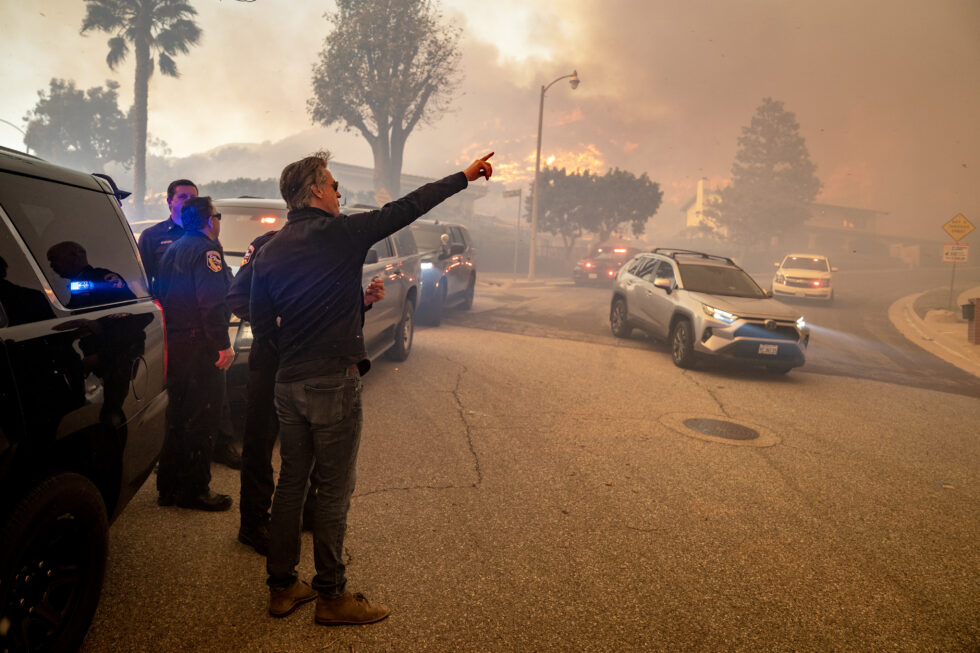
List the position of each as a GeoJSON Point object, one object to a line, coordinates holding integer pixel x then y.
{"type": "Point", "coordinates": [389, 326]}
{"type": "Point", "coordinates": [82, 394]}
{"type": "Point", "coordinates": [448, 268]}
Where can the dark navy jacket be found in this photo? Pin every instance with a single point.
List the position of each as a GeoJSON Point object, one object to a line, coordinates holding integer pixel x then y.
{"type": "Point", "coordinates": [193, 284]}
{"type": "Point", "coordinates": [153, 242]}
{"type": "Point", "coordinates": [310, 276]}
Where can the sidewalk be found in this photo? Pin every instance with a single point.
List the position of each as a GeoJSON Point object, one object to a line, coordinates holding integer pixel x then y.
{"type": "Point", "coordinates": [940, 332]}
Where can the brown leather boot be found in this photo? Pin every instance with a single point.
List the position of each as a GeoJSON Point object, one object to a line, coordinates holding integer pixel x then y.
{"type": "Point", "coordinates": [349, 609]}
{"type": "Point", "coordinates": [283, 602]}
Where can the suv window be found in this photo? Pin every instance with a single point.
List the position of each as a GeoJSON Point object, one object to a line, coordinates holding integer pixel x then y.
{"type": "Point", "coordinates": [664, 271]}
{"type": "Point", "coordinates": [456, 236]}
{"type": "Point", "coordinates": [645, 269]}
{"type": "Point", "coordinates": [21, 295]}
{"type": "Point", "coordinates": [428, 235]}
{"type": "Point", "coordinates": [74, 235]}
{"type": "Point", "coordinates": [383, 248]}
{"type": "Point", "coordinates": [405, 242]}
{"type": "Point", "coordinates": [719, 280]}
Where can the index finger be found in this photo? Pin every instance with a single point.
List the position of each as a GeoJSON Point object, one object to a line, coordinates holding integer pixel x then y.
{"type": "Point", "coordinates": [484, 158]}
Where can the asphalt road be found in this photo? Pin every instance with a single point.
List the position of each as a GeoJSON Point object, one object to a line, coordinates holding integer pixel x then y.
{"type": "Point", "coordinates": [853, 337]}
{"type": "Point", "coordinates": [543, 492]}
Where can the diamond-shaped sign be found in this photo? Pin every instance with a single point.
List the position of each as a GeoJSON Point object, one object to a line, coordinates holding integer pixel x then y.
{"type": "Point", "coordinates": [958, 227]}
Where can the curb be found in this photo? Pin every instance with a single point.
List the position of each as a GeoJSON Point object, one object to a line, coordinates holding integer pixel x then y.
{"type": "Point", "coordinates": [904, 318]}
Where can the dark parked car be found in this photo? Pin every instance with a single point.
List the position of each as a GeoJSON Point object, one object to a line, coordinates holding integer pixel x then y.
{"type": "Point", "coordinates": [448, 268]}
{"type": "Point", "coordinates": [601, 267]}
{"type": "Point", "coordinates": [82, 394]}
{"type": "Point", "coordinates": [706, 306]}
{"type": "Point", "coordinates": [389, 326]}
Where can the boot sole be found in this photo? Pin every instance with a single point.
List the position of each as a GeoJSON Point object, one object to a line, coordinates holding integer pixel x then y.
{"type": "Point", "coordinates": [293, 608]}
{"type": "Point", "coordinates": [326, 622]}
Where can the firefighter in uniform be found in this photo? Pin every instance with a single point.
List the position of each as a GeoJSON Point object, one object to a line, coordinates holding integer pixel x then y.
{"type": "Point", "coordinates": [192, 285]}
{"type": "Point", "coordinates": [153, 242]}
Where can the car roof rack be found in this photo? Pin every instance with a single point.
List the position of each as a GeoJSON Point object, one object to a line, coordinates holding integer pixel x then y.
{"type": "Point", "coordinates": [672, 252]}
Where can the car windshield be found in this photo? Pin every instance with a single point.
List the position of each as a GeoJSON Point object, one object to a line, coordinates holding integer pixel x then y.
{"type": "Point", "coordinates": [241, 225]}
{"type": "Point", "coordinates": [428, 236]}
{"type": "Point", "coordinates": [719, 280]}
{"type": "Point", "coordinates": [806, 263]}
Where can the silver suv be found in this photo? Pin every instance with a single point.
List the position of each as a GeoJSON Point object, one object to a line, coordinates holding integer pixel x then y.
{"type": "Point", "coordinates": [705, 305]}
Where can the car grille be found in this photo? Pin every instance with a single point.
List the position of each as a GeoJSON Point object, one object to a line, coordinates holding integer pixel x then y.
{"type": "Point", "coordinates": [781, 332]}
{"type": "Point", "coordinates": [799, 282]}
{"type": "Point", "coordinates": [747, 349]}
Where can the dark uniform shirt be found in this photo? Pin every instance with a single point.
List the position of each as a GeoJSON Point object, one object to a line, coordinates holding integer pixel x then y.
{"type": "Point", "coordinates": [96, 286]}
{"type": "Point", "coordinates": [193, 287]}
{"type": "Point", "coordinates": [153, 243]}
{"type": "Point", "coordinates": [310, 276]}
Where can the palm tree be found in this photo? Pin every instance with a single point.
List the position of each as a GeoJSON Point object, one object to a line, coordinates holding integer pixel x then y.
{"type": "Point", "coordinates": [165, 27]}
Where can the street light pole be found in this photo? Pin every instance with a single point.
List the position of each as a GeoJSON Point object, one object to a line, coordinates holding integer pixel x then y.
{"type": "Point", "coordinates": [574, 81]}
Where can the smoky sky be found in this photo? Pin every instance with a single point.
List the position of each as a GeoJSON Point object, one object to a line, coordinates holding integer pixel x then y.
{"type": "Point", "coordinates": [886, 93]}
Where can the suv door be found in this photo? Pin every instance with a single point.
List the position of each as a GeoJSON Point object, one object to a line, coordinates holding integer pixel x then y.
{"type": "Point", "coordinates": [659, 306]}
{"type": "Point", "coordinates": [459, 265]}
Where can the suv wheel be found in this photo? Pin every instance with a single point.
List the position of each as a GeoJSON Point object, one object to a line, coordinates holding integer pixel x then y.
{"type": "Point", "coordinates": [404, 331]}
{"type": "Point", "coordinates": [682, 344]}
{"type": "Point", "coordinates": [619, 319]}
{"type": "Point", "coordinates": [467, 302]}
{"type": "Point", "coordinates": [52, 563]}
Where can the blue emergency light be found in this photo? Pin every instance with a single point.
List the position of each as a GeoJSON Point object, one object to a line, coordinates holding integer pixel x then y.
{"type": "Point", "coordinates": [81, 286]}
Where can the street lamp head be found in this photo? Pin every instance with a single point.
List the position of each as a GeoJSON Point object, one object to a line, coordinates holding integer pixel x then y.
{"type": "Point", "coordinates": [574, 81]}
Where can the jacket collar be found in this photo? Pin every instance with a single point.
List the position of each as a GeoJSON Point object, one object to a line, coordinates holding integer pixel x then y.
{"type": "Point", "coordinates": [306, 213]}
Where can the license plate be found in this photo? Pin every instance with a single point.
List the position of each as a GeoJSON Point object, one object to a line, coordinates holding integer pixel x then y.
{"type": "Point", "coordinates": [769, 350]}
{"type": "Point", "coordinates": [593, 275]}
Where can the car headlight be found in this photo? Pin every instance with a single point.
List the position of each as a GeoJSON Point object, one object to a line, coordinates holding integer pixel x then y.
{"type": "Point", "coordinates": [426, 265]}
{"type": "Point", "coordinates": [800, 323]}
{"type": "Point", "coordinates": [718, 314]}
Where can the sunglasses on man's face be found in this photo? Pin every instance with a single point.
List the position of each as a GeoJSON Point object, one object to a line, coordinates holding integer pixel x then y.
{"type": "Point", "coordinates": [216, 216]}
{"type": "Point", "coordinates": [336, 185]}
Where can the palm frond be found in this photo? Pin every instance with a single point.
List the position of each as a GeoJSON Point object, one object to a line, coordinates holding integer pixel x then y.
{"type": "Point", "coordinates": [179, 36]}
{"type": "Point", "coordinates": [168, 66]}
{"type": "Point", "coordinates": [102, 16]}
{"type": "Point", "coordinates": [118, 49]}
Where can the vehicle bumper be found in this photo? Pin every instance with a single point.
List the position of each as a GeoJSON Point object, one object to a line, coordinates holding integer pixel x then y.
{"type": "Point", "coordinates": [780, 290]}
{"type": "Point", "coordinates": [750, 341]}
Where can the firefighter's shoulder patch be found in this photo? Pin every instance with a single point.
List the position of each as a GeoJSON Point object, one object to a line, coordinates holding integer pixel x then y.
{"type": "Point", "coordinates": [248, 255]}
{"type": "Point", "coordinates": [213, 259]}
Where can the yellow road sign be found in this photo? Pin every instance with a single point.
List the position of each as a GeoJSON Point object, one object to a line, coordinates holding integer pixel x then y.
{"type": "Point", "coordinates": [958, 227]}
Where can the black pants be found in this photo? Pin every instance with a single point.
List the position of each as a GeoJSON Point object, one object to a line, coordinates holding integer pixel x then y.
{"type": "Point", "coordinates": [193, 414]}
{"type": "Point", "coordinates": [259, 437]}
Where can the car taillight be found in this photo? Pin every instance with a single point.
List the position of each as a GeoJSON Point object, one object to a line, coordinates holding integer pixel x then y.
{"type": "Point", "coordinates": [267, 220]}
{"type": "Point", "coordinates": [612, 273]}
{"type": "Point", "coordinates": [163, 324]}
{"type": "Point", "coordinates": [588, 264]}
{"type": "Point", "coordinates": [620, 250]}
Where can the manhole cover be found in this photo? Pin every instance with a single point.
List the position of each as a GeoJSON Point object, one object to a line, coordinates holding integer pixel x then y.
{"type": "Point", "coordinates": [721, 429]}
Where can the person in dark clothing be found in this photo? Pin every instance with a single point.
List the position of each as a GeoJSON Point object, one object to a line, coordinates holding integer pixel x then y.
{"type": "Point", "coordinates": [87, 285]}
{"type": "Point", "coordinates": [261, 423]}
{"type": "Point", "coordinates": [306, 290]}
{"type": "Point", "coordinates": [22, 305]}
{"type": "Point", "coordinates": [192, 289]}
{"type": "Point", "coordinates": [153, 242]}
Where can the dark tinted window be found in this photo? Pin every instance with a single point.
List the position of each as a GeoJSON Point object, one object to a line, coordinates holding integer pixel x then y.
{"type": "Point", "coordinates": [383, 248]}
{"type": "Point", "coordinates": [456, 236]}
{"type": "Point", "coordinates": [21, 294]}
{"type": "Point", "coordinates": [719, 280]}
{"type": "Point", "coordinates": [405, 242]}
{"type": "Point", "coordinates": [77, 239]}
{"type": "Point", "coordinates": [664, 271]}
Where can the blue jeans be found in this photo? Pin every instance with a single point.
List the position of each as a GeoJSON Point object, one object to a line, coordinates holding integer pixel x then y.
{"type": "Point", "coordinates": [319, 425]}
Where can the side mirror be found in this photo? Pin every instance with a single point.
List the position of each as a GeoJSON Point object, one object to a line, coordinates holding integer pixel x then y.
{"type": "Point", "coordinates": [834, 269]}
{"type": "Point", "coordinates": [372, 256]}
{"type": "Point", "coordinates": [775, 265]}
{"type": "Point", "coordinates": [664, 283]}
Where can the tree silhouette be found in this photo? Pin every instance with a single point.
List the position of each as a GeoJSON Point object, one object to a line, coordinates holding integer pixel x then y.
{"type": "Point", "coordinates": [80, 129]}
{"type": "Point", "coordinates": [163, 27]}
{"type": "Point", "coordinates": [773, 179]}
{"type": "Point", "coordinates": [573, 203]}
{"type": "Point", "coordinates": [387, 66]}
